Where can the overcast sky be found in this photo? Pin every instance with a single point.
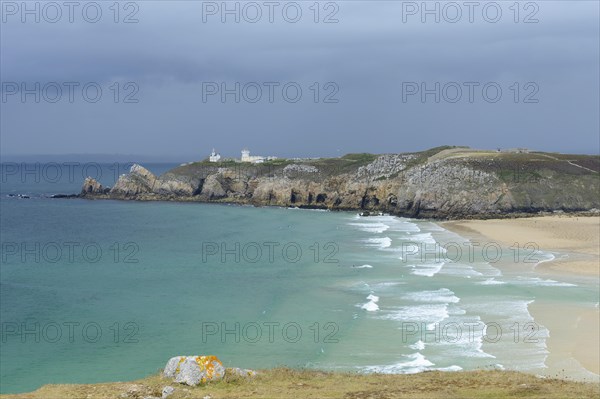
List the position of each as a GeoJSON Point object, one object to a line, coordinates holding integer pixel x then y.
{"type": "Point", "coordinates": [361, 77]}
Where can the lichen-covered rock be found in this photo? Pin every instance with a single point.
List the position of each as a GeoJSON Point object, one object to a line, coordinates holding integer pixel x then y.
{"type": "Point", "coordinates": [194, 370]}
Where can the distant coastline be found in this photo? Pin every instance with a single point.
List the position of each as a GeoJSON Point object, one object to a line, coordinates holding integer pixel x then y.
{"type": "Point", "coordinates": [440, 183]}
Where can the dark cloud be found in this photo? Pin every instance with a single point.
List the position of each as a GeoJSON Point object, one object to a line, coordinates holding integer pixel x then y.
{"type": "Point", "coordinates": [368, 54]}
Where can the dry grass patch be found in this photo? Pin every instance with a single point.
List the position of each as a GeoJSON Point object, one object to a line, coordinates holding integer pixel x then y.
{"type": "Point", "coordinates": [283, 383]}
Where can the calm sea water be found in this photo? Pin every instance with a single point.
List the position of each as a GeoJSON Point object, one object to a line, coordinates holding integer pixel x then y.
{"type": "Point", "coordinates": [109, 290]}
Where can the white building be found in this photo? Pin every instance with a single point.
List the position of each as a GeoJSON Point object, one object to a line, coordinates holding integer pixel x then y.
{"type": "Point", "coordinates": [214, 157]}
{"type": "Point", "coordinates": [246, 157]}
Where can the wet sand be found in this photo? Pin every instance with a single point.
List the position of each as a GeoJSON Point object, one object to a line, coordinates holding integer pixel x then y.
{"type": "Point", "coordinates": [578, 237]}
{"type": "Point", "coordinates": [574, 330]}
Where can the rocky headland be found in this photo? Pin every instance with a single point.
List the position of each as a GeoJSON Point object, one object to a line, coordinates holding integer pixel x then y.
{"type": "Point", "coordinates": [440, 183]}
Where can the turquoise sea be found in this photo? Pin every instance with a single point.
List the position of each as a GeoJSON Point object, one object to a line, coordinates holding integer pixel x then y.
{"type": "Point", "coordinates": [104, 290]}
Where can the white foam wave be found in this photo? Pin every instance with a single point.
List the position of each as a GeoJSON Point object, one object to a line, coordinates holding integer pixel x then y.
{"type": "Point", "coordinates": [379, 224]}
{"type": "Point", "coordinates": [513, 326]}
{"type": "Point", "coordinates": [460, 270]}
{"type": "Point", "coordinates": [463, 341]}
{"type": "Point", "coordinates": [427, 269]}
{"type": "Point", "coordinates": [371, 306]}
{"type": "Point", "coordinates": [379, 242]}
{"type": "Point", "coordinates": [539, 282]}
{"type": "Point", "coordinates": [416, 363]}
{"type": "Point", "coordinates": [511, 309]}
{"type": "Point", "coordinates": [443, 295]}
{"type": "Point", "coordinates": [427, 313]}
{"type": "Point", "coordinates": [363, 267]}
{"type": "Point", "coordinates": [405, 226]}
{"type": "Point", "coordinates": [546, 257]}
{"type": "Point", "coordinates": [491, 281]}
{"type": "Point", "coordinates": [387, 284]}
{"type": "Point", "coordinates": [373, 298]}
{"type": "Point", "coordinates": [421, 238]}
{"type": "Point", "coordinates": [307, 209]}
{"type": "Point", "coordinates": [371, 227]}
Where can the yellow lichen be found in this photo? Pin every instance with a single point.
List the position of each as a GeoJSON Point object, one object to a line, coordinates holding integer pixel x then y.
{"type": "Point", "coordinates": [181, 359]}
{"type": "Point", "coordinates": [207, 364]}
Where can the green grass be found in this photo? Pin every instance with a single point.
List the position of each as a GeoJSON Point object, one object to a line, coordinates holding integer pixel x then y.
{"type": "Point", "coordinates": [360, 158]}
{"type": "Point", "coordinates": [284, 383]}
{"type": "Point", "coordinates": [509, 167]}
{"type": "Point", "coordinates": [532, 166]}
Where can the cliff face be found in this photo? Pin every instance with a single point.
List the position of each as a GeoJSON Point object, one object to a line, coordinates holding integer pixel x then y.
{"type": "Point", "coordinates": [439, 183]}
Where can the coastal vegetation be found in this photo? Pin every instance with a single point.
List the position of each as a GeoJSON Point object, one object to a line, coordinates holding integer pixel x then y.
{"type": "Point", "coordinates": [284, 383]}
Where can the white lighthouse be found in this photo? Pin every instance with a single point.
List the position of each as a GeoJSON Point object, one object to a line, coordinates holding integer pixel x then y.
{"type": "Point", "coordinates": [246, 155]}
{"type": "Point", "coordinates": [214, 157]}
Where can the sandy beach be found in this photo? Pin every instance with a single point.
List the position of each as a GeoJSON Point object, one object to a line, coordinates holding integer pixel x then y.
{"type": "Point", "coordinates": [578, 237]}
{"type": "Point", "coordinates": [574, 330]}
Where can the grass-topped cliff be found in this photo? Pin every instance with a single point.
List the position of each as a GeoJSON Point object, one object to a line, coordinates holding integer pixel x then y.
{"type": "Point", "coordinates": [287, 384]}
{"type": "Point", "coordinates": [443, 182]}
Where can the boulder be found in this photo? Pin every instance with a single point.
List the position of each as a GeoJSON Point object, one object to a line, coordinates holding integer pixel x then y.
{"type": "Point", "coordinates": [194, 370]}
{"type": "Point", "coordinates": [167, 391]}
{"type": "Point", "coordinates": [139, 180]}
{"type": "Point", "coordinates": [91, 186]}
{"type": "Point", "coordinates": [213, 188]}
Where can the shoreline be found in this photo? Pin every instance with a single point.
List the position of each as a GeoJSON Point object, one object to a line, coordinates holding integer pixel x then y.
{"type": "Point", "coordinates": [574, 243]}
{"type": "Point", "coordinates": [574, 236]}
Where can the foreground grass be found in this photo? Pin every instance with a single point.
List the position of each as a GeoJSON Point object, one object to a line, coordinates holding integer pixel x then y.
{"type": "Point", "coordinates": [282, 383]}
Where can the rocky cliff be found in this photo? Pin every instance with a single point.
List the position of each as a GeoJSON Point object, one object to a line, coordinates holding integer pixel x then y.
{"type": "Point", "coordinates": [445, 182]}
